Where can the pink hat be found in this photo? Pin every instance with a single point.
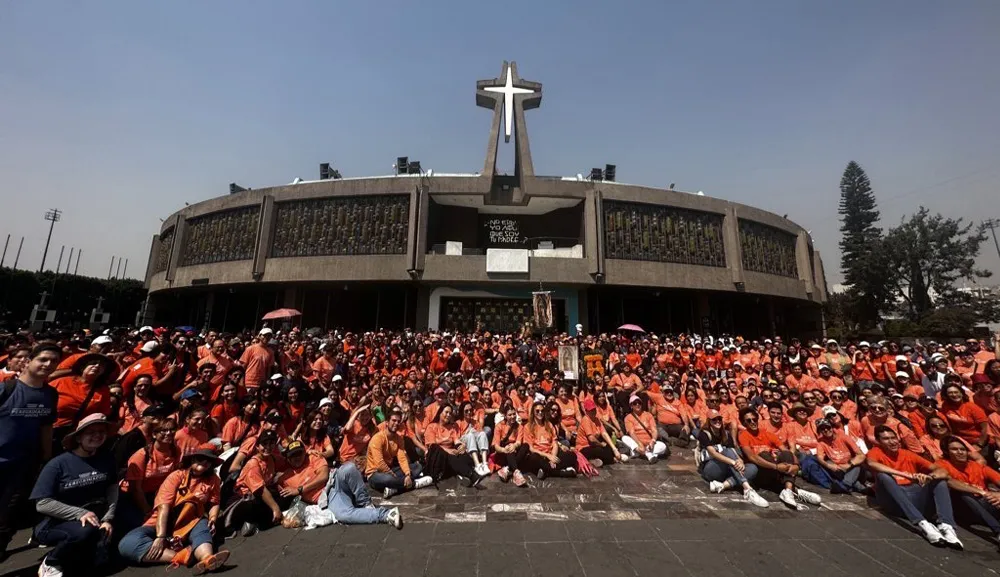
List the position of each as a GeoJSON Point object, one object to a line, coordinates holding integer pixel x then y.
{"type": "Point", "coordinates": [440, 391]}
{"type": "Point", "coordinates": [634, 399]}
{"type": "Point", "coordinates": [589, 405]}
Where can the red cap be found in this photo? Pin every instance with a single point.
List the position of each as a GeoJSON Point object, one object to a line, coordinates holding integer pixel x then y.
{"type": "Point", "coordinates": [981, 379]}
{"type": "Point", "coordinates": [713, 414]}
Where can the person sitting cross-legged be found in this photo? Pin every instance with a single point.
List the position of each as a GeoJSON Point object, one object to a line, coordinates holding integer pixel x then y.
{"type": "Point", "coordinates": [387, 467]}
{"type": "Point", "coordinates": [777, 466]}
{"type": "Point", "coordinates": [971, 482]}
{"type": "Point", "coordinates": [906, 482]}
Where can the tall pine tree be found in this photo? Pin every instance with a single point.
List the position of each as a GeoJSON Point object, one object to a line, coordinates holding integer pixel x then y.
{"type": "Point", "coordinates": [860, 258]}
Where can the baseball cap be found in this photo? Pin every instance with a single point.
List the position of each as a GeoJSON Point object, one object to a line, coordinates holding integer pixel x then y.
{"type": "Point", "coordinates": [634, 399]}
{"type": "Point", "coordinates": [440, 391]}
{"type": "Point", "coordinates": [102, 340]}
{"type": "Point", "coordinates": [713, 414]}
{"type": "Point", "coordinates": [828, 410]}
{"type": "Point", "coordinates": [150, 346]}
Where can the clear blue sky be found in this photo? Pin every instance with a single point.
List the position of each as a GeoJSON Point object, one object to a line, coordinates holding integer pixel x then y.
{"type": "Point", "coordinates": [119, 112]}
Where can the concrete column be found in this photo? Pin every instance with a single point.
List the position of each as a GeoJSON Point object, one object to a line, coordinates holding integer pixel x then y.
{"type": "Point", "coordinates": [209, 308]}
{"type": "Point", "coordinates": [180, 228]}
{"type": "Point", "coordinates": [598, 229]}
{"type": "Point", "coordinates": [819, 278]}
{"type": "Point", "coordinates": [154, 249]}
{"type": "Point", "coordinates": [423, 308]}
{"type": "Point", "coordinates": [289, 299]}
{"type": "Point", "coordinates": [590, 239]}
{"type": "Point", "coordinates": [704, 312]}
{"type": "Point", "coordinates": [265, 233]}
{"type": "Point", "coordinates": [803, 264]}
{"type": "Point", "coordinates": [731, 243]}
{"type": "Point", "coordinates": [420, 243]}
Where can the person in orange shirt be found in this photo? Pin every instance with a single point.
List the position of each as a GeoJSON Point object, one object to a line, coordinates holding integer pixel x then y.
{"type": "Point", "coordinates": [81, 393]}
{"type": "Point", "coordinates": [358, 431]}
{"type": "Point", "coordinates": [507, 440]}
{"type": "Point", "coordinates": [798, 380]}
{"type": "Point", "coordinates": [843, 405]}
{"type": "Point", "coordinates": [966, 419]}
{"type": "Point", "coordinates": [905, 482]}
{"type": "Point", "coordinates": [186, 513]}
{"type": "Point", "coordinates": [387, 466]}
{"type": "Point", "coordinates": [159, 363]}
{"type": "Point", "coordinates": [593, 441]}
{"type": "Point", "coordinates": [257, 360]}
{"type": "Point", "coordinates": [100, 345]}
{"type": "Point", "coordinates": [880, 413]}
{"type": "Point", "coordinates": [306, 475]}
{"type": "Point", "coordinates": [146, 470]}
{"type": "Point", "coordinates": [840, 457]}
{"type": "Point", "coordinates": [863, 371]}
{"type": "Point", "coordinates": [193, 435]}
{"type": "Point", "coordinates": [640, 433]}
{"type": "Point", "coordinates": [223, 364]}
{"type": "Point", "coordinates": [937, 431]}
{"type": "Point", "coordinates": [969, 480]}
{"type": "Point", "coordinates": [255, 486]}
{"type": "Point", "coordinates": [539, 452]}
{"type": "Point", "coordinates": [446, 454]}
{"type": "Point", "coordinates": [673, 422]}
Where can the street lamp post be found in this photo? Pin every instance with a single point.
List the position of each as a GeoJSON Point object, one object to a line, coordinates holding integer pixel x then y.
{"type": "Point", "coordinates": [53, 216]}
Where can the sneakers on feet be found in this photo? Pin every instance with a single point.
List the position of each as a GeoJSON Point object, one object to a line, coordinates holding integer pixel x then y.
{"type": "Point", "coordinates": [569, 472]}
{"type": "Point", "coordinates": [751, 496]}
{"type": "Point", "coordinates": [651, 457]}
{"type": "Point", "coordinates": [787, 497]}
{"type": "Point", "coordinates": [389, 493]}
{"type": "Point", "coordinates": [394, 518]}
{"type": "Point", "coordinates": [504, 474]}
{"type": "Point", "coordinates": [596, 463]}
{"type": "Point", "coordinates": [45, 570]}
{"type": "Point", "coordinates": [476, 479]}
{"type": "Point", "coordinates": [716, 486]}
{"type": "Point", "coordinates": [949, 536]}
{"type": "Point", "coordinates": [541, 475]}
{"type": "Point", "coordinates": [519, 480]}
{"type": "Point", "coordinates": [623, 458]}
{"type": "Point", "coordinates": [421, 482]}
{"type": "Point", "coordinates": [930, 532]}
{"type": "Point", "coordinates": [464, 481]}
{"type": "Point", "coordinates": [211, 563]}
{"type": "Point", "coordinates": [807, 497]}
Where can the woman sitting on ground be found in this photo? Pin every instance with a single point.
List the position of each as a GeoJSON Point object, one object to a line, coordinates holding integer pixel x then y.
{"type": "Point", "coordinates": [313, 435]}
{"type": "Point", "coordinates": [246, 424]}
{"type": "Point", "coordinates": [640, 429]}
{"type": "Point", "coordinates": [937, 432]}
{"type": "Point", "coordinates": [474, 438]}
{"type": "Point", "coordinates": [147, 469]}
{"type": "Point", "coordinates": [970, 481]}
{"type": "Point", "coordinates": [721, 465]}
{"type": "Point", "coordinates": [540, 452]}
{"type": "Point", "coordinates": [184, 521]}
{"type": "Point", "coordinates": [506, 442]}
{"type": "Point", "coordinates": [593, 441]}
{"type": "Point", "coordinates": [446, 453]}
{"type": "Point", "coordinates": [777, 466]}
{"type": "Point", "coordinates": [840, 458]}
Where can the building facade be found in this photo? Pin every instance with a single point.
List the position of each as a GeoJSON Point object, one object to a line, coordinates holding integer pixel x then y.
{"type": "Point", "coordinates": [464, 251]}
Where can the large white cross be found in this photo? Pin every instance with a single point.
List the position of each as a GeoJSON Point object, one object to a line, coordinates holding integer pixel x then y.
{"type": "Point", "coordinates": [508, 90]}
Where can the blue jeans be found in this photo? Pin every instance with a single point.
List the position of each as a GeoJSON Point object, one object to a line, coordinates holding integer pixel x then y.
{"type": "Point", "coordinates": [712, 470]}
{"type": "Point", "coordinates": [984, 510]}
{"type": "Point", "coordinates": [136, 543]}
{"type": "Point", "coordinates": [912, 500]}
{"type": "Point", "coordinates": [74, 546]}
{"type": "Point", "coordinates": [348, 498]}
{"type": "Point", "coordinates": [393, 480]}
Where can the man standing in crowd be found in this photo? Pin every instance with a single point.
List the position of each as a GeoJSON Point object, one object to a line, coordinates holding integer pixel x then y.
{"type": "Point", "coordinates": [27, 413]}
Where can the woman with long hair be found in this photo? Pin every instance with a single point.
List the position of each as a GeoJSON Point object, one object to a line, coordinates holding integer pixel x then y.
{"type": "Point", "coordinates": [293, 408]}
{"type": "Point", "coordinates": [507, 439]}
{"type": "Point", "coordinates": [246, 424]}
{"type": "Point", "coordinates": [721, 464]}
{"type": "Point", "coordinates": [193, 435]}
{"type": "Point", "coordinates": [474, 437]}
{"type": "Point", "coordinates": [146, 470]}
{"type": "Point", "coordinates": [446, 453]}
{"type": "Point", "coordinates": [966, 419]}
{"type": "Point", "coordinates": [539, 452]}
{"type": "Point", "coordinates": [313, 436]}
{"type": "Point", "coordinates": [83, 392]}
{"type": "Point", "coordinates": [135, 403]}
{"type": "Point", "coordinates": [937, 433]}
{"type": "Point", "coordinates": [227, 407]}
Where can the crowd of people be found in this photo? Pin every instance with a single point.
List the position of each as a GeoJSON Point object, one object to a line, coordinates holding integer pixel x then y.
{"type": "Point", "coordinates": [156, 444]}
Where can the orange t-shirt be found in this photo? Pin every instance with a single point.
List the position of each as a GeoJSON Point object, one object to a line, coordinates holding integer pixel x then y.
{"type": "Point", "coordinates": [143, 366]}
{"type": "Point", "coordinates": [666, 413]}
{"type": "Point", "coordinates": [355, 441]}
{"type": "Point", "coordinates": [540, 438]}
{"type": "Point", "coordinates": [258, 360]}
{"type": "Point", "coordinates": [762, 442]}
{"type": "Point", "coordinates": [156, 469]}
{"type": "Point", "coordinates": [314, 466]}
{"type": "Point", "coordinates": [255, 475]}
{"type": "Point", "coordinates": [190, 441]}
{"type": "Point", "coordinates": [588, 427]}
{"type": "Point", "coordinates": [500, 434]}
{"type": "Point", "coordinates": [965, 419]}
{"type": "Point", "coordinates": [641, 429]}
{"type": "Point", "coordinates": [440, 434]}
{"type": "Point", "coordinates": [905, 461]}
{"type": "Point", "coordinates": [802, 437]}
{"type": "Point", "coordinates": [237, 430]}
{"type": "Point", "coordinates": [971, 473]}
{"type": "Point", "coordinates": [72, 391]}
{"type": "Point", "coordinates": [839, 451]}
{"type": "Point", "coordinates": [207, 489]}
{"type": "Point", "coordinates": [568, 410]}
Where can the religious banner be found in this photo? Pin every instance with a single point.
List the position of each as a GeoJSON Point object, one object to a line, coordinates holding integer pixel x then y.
{"type": "Point", "coordinates": [569, 361]}
{"type": "Point", "coordinates": [542, 302]}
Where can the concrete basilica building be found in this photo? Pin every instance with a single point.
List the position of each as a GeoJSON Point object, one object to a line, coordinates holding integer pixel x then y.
{"type": "Point", "coordinates": [459, 251]}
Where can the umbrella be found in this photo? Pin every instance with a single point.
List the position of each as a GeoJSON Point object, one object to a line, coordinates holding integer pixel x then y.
{"type": "Point", "coordinates": [281, 314]}
{"type": "Point", "coordinates": [186, 329]}
{"type": "Point", "coordinates": [635, 328]}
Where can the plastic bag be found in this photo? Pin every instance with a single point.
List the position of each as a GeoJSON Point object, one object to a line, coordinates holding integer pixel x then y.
{"type": "Point", "coordinates": [295, 516]}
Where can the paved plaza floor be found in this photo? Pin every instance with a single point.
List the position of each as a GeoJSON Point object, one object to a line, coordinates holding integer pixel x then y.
{"type": "Point", "coordinates": [634, 519]}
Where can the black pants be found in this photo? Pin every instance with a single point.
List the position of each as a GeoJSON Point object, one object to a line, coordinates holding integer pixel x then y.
{"type": "Point", "coordinates": [605, 454]}
{"type": "Point", "coordinates": [769, 479]}
{"type": "Point", "coordinates": [441, 464]}
{"type": "Point", "coordinates": [15, 480]}
{"type": "Point", "coordinates": [506, 459]}
{"type": "Point", "coordinates": [529, 462]}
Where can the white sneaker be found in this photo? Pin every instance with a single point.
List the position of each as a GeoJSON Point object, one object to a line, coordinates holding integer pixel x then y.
{"type": "Point", "coordinates": [751, 496]}
{"type": "Point", "coordinates": [697, 458]}
{"type": "Point", "coordinates": [931, 533]}
{"type": "Point", "coordinates": [484, 470]}
{"type": "Point", "coordinates": [421, 482]}
{"type": "Point", "coordinates": [48, 571]}
{"type": "Point", "coordinates": [624, 458]}
{"type": "Point", "coordinates": [949, 536]}
{"type": "Point", "coordinates": [389, 493]}
{"type": "Point", "coordinates": [807, 497]}
{"type": "Point", "coordinates": [787, 497]}
{"type": "Point", "coordinates": [716, 486]}
{"type": "Point", "coordinates": [394, 518]}
{"type": "Point", "coordinates": [651, 457]}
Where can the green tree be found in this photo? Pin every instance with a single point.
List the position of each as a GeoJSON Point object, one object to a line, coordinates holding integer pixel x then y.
{"type": "Point", "coordinates": [860, 257]}
{"type": "Point", "coordinates": [927, 255]}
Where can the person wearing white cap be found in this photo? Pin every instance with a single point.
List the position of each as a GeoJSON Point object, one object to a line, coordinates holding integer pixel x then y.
{"type": "Point", "coordinates": [640, 429]}
{"type": "Point", "coordinates": [863, 371]}
{"type": "Point", "coordinates": [934, 377]}
{"type": "Point", "coordinates": [100, 345]}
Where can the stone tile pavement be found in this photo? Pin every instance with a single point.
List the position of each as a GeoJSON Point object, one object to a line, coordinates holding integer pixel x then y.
{"type": "Point", "coordinates": [634, 519]}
